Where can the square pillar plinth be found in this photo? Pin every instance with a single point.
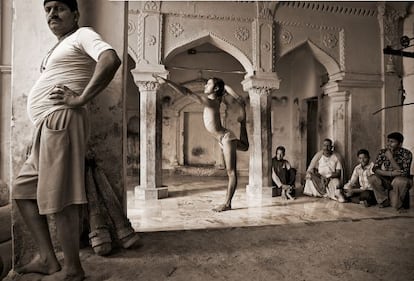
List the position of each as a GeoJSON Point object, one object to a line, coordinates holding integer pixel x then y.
{"type": "Point", "coordinates": [142, 193]}
{"type": "Point", "coordinates": [259, 192]}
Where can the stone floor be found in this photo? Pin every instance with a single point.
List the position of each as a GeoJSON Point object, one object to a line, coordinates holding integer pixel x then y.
{"type": "Point", "coordinates": [191, 199]}
{"type": "Point", "coordinates": [308, 239]}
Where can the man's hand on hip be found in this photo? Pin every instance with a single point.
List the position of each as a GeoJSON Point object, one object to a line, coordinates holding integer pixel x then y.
{"type": "Point", "coordinates": [62, 95]}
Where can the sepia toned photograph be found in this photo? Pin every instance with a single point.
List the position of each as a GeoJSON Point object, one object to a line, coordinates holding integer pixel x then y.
{"type": "Point", "coordinates": [206, 140]}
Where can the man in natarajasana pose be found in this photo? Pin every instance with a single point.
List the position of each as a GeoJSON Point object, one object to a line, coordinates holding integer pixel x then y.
{"type": "Point", "coordinates": [215, 89]}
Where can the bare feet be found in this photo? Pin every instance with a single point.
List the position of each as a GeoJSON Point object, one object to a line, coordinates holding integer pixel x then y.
{"type": "Point", "coordinates": [222, 208]}
{"type": "Point", "coordinates": [64, 275]}
{"type": "Point", "coordinates": [37, 265]}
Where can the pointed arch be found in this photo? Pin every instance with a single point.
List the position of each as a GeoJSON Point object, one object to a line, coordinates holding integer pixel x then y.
{"type": "Point", "coordinates": [321, 56]}
{"type": "Point", "coordinates": [213, 39]}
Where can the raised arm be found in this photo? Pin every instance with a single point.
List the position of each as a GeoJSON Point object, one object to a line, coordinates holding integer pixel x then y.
{"type": "Point", "coordinates": [180, 89]}
{"type": "Point", "coordinates": [232, 93]}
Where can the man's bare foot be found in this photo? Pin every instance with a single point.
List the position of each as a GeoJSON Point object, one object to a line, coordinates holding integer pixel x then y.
{"type": "Point", "coordinates": [37, 265]}
{"type": "Point", "coordinates": [222, 208]}
{"type": "Point", "coordinates": [63, 275]}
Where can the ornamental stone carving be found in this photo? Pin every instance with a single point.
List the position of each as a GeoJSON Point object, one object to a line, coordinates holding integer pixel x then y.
{"type": "Point", "coordinates": [151, 6]}
{"type": "Point", "coordinates": [147, 85]}
{"type": "Point", "coordinates": [266, 46]}
{"type": "Point", "coordinates": [286, 37]}
{"type": "Point", "coordinates": [242, 33]}
{"type": "Point", "coordinates": [151, 40]}
{"type": "Point", "coordinates": [131, 27]}
{"type": "Point", "coordinates": [176, 29]}
{"type": "Point", "coordinates": [330, 40]}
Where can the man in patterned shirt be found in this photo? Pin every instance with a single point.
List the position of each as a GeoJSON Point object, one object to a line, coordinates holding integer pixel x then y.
{"type": "Point", "coordinates": [392, 178]}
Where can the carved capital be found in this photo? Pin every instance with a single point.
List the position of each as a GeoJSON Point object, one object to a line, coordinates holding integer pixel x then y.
{"type": "Point", "coordinates": [260, 91]}
{"type": "Point", "coordinates": [261, 82]}
{"type": "Point", "coordinates": [147, 85]}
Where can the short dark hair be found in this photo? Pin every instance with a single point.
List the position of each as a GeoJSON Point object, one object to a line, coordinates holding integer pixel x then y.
{"type": "Point", "coordinates": [281, 148]}
{"type": "Point", "coordinates": [396, 136]}
{"type": "Point", "coordinates": [328, 140]}
{"type": "Point", "coordinates": [218, 86]}
{"type": "Point", "coordinates": [363, 151]}
{"type": "Point", "coordinates": [72, 4]}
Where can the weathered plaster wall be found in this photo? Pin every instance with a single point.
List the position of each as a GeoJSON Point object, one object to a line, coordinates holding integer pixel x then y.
{"type": "Point", "coordinates": [301, 77]}
{"type": "Point", "coordinates": [32, 39]}
{"type": "Point", "coordinates": [5, 87]}
{"type": "Point", "coordinates": [347, 36]}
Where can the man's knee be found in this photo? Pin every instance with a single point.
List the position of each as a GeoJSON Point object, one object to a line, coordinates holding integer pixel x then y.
{"type": "Point", "coordinates": [401, 182]}
{"type": "Point", "coordinates": [334, 183]}
{"type": "Point", "coordinates": [231, 173]}
{"type": "Point", "coordinates": [374, 181]}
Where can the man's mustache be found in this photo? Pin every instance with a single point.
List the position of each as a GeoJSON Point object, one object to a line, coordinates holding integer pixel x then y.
{"type": "Point", "coordinates": [55, 18]}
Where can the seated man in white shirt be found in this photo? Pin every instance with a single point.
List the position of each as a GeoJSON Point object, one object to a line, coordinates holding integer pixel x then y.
{"type": "Point", "coordinates": [358, 189]}
{"type": "Point", "coordinates": [325, 173]}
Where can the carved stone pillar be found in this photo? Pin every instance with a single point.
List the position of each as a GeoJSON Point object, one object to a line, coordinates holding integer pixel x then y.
{"type": "Point", "coordinates": [259, 88]}
{"type": "Point", "coordinates": [389, 19]}
{"type": "Point", "coordinates": [340, 122]}
{"type": "Point", "coordinates": [145, 43]}
{"type": "Point", "coordinates": [150, 143]}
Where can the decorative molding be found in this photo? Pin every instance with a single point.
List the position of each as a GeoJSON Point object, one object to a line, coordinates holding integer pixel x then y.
{"type": "Point", "coordinates": [151, 40]}
{"type": "Point", "coordinates": [286, 36]}
{"type": "Point", "coordinates": [264, 11]}
{"type": "Point", "coordinates": [260, 91]}
{"type": "Point", "coordinates": [214, 35]}
{"type": "Point", "coordinates": [152, 6]}
{"type": "Point", "coordinates": [210, 17]}
{"type": "Point", "coordinates": [307, 25]}
{"type": "Point", "coordinates": [330, 40]}
{"type": "Point", "coordinates": [342, 50]}
{"type": "Point", "coordinates": [176, 29]}
{"type": "Point", "coordinates": [147, 85]}
{"type": "Point", "coordinates": [330, 8]}
{"type": "Point", "coordinates": [5, 69]}
{"type": "Point", "coordinates": [242, 33]}
{"type": "Point", "coordinates": [133, 53]}
{"type": "Point", "coordinates": [134, 11]}
{"type": "Point", "coordinates": [389, 19]}
{"type": "Point", "coordinates": [266, 46]}
{"type": "Point", "coordinates": [131, 27]}
{"type": "Point", "coordinates": [140, 45]}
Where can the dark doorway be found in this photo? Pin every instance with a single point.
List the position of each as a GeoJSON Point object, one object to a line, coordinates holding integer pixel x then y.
{"type": "Point", "coordinates": [312, 129]}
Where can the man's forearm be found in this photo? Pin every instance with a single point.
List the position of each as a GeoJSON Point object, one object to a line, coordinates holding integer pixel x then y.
{"type": "Point", "coordinates": [105, 70]}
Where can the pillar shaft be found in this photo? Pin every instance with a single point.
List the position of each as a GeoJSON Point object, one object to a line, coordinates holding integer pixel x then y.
{"type": "Point", "coordinates": [151, 143]}
{"type": "Point", "coordinates": [259, 88]}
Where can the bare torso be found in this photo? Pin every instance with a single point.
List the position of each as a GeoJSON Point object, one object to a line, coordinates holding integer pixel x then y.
{"type": "Point", "coordinates": [212, 119]}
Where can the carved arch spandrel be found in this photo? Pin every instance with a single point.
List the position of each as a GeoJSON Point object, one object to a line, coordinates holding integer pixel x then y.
{"type": "Point", "coordinates": [324, 58]}
{"type": "Point", "coordinates": [213, 39]}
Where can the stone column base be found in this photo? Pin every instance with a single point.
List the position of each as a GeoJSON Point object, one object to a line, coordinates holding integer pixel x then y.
{"type": "Point", "coordinates": [259, 192]}
{"type": "Point", "coordinates": [142, 193]}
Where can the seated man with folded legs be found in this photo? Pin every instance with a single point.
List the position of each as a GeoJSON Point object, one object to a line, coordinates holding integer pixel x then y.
{"type": "Point", "coordinates": [392, 178]}
{"type": "Point", "coordinates": [324, 174]}
{"type": "Point", "coordinates": [358, 189]}
{"type": "Point", "coordinates": [283, 175]}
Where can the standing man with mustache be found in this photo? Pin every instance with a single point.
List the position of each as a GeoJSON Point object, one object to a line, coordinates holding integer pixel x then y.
{"type": "Point", "coordinates": [51, 180]}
